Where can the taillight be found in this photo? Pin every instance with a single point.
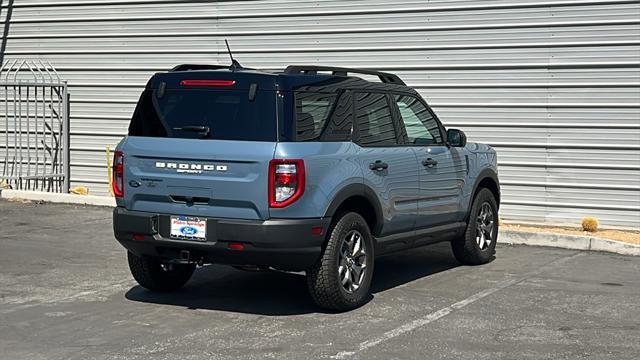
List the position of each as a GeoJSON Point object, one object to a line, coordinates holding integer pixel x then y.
{"type": "Point", "coordinates": [207, 83]}
{"type": "Point", "coordinates": [117, 181]}
{"type": "Point", "coordinates": [286, 181]}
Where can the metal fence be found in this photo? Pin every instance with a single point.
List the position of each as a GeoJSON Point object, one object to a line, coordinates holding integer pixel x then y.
{"type": "Point", "coordinates": [34, 127]}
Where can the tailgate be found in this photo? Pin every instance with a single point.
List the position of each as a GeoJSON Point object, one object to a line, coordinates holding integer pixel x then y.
{"type": "Point", "coordinates": [209, 178]}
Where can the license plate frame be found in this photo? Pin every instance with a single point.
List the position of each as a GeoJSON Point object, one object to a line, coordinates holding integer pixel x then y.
{"type": "Point", "coordinates": [188, 228]}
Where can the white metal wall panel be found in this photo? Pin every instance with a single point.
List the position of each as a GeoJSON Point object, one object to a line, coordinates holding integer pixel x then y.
{"type": "Point", "coordinates": [553, 85]}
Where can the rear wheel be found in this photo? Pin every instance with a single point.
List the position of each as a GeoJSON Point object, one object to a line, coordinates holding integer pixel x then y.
{"type": "Point", "coordinates": [479, 242]}
{"type": "Point", "coordinates": [153, 274]}
{"type": "Point", "coordinates": [342, 277]}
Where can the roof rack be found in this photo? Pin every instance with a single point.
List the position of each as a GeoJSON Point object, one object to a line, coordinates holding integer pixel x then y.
{"type": "Point", "coordinates": [313, 69]}
{"type": "Point", "coordinates": [187, 67]}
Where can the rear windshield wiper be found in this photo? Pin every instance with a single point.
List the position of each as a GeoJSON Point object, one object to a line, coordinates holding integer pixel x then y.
{"type": "Point", "coordinates": [203, 131]}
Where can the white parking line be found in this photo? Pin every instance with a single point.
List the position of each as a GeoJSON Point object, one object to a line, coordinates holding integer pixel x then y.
{"type": "Point", "coordinates": [448, 310]}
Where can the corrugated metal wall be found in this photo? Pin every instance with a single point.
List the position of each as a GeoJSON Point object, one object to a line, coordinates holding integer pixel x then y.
{"type": "Point", "coordinates": [553, 85]}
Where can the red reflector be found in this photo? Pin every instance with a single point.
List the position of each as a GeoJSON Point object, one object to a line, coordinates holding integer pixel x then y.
{"type": "Point", "coordinates": [207, 82]}
{"type": "Point", "coordinates": [138, 237]}
{"type": "Point", "coordinates": [236, 246]}
{"type": "Point", "coordinates": [316, 230]}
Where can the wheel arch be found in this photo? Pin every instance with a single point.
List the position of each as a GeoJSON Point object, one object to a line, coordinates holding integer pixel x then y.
{"type": "Point", "coordinates": [361, 199]}
{"type": "Point", "coordinates": [488, 179]}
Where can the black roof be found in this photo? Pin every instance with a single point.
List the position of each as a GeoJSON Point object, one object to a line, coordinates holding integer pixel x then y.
{"type": "Point", "coordinates": [312, 77]}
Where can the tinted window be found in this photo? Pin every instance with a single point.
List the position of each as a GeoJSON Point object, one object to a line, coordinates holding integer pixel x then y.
{"type": "Point", "coordinates": [319, 117]}
{"type": "Point", "coordinates": [340, 126]}
{"type": "Point", "coordinates": [228, 114]}
{"type": "Point", "coordinates": [373, 116]}
{"type": "Point", "coordinates": [312, 112]}
{"type": "Point", "coordinates": [422, 128]}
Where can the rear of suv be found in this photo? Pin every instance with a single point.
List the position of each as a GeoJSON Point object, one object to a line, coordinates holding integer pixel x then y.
{"type": "Point", "coordinates": [310, 169]}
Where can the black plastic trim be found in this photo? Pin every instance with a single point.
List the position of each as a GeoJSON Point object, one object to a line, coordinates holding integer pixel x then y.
{"type": "Point", "coordinates": [420, 237]}
{"type": "Point", "coordinates": [357, 190]}
{"type": "Point", "coordinates": [280, 243]}
{"type": "Point", "coordinates": [485, 173]}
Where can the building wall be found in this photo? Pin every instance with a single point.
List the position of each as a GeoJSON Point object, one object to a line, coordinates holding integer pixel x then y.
{"type": "Point", "coordinates": [553, 85]}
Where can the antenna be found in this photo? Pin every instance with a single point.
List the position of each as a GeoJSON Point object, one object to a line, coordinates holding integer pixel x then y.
{"type": "Point", "coordinates": [234, 64]}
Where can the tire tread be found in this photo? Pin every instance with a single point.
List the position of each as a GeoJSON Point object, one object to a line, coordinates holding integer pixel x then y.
{"type": "Point", "coordinates": [465, 248]}
{"type": "Point", "coordinates": [147, 272]}
{"type": "Point", "coordinates": [322, 283]}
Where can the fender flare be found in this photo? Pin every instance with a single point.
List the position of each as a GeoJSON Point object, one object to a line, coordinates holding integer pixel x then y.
{"type": "Point", "coordinates": [357, 190]}
{"type": "Point", "coordinates": [484, 174]}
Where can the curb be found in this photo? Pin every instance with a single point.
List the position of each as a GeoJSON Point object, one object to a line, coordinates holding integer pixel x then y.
{"type": "Point", "coordinates": [587, 243]}
{"type": "Point", "coordinates": [58, 198]}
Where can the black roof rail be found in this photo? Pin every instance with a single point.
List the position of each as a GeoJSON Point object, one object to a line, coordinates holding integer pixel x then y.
{"type": "Point", "coordinates": [187, 67]}
{"type": "Point", "coordinates": [313, 69]}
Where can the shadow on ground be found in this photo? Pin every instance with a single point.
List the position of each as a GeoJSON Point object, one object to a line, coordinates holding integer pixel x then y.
{"type": "Point", "coordinates": [223, 288]}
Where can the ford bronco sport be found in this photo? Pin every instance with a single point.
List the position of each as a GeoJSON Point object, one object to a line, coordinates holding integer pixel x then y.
{"type": "Point", "coordinates": [310, 169]}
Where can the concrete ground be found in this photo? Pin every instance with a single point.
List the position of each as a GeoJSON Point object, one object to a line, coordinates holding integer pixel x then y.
{"type": "Point", "coordinates": [66, 293]}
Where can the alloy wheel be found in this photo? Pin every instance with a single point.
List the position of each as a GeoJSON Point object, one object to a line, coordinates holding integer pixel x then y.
{"type": "Point", "coordinates": [485, 224]}
{"type": "Point", "coordinates": [352, 262]}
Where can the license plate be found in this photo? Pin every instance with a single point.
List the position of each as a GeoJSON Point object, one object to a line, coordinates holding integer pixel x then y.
{"type": "Point", "coordinates": [188, 228]}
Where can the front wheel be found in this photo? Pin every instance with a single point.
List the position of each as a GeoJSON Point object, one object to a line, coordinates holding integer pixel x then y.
{"type": "Point", "coordinates": [478, 244]}
{"type": "Point", "coordinates": [342, 277]}
{"type": "Point", "coordinates": [153, 274]}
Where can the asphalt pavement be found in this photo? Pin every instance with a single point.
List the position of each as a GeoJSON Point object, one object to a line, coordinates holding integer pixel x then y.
{"type": "Point", "coordinates": [66, 293]}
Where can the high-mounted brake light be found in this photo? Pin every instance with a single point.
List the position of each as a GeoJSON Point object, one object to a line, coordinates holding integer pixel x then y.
{"type": "Point", "coordinates": [205, 83]}
{"type": "Point", "coordinates": [117, 180]}
{"type": "Point", "coordinates": [286, 181]}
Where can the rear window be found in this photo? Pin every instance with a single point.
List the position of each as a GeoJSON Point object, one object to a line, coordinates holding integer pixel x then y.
{"type": "Point", "coordinates": [225, 114]}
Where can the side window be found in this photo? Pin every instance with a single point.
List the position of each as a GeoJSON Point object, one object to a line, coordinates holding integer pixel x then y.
{"type": "Point", "coordinates": [312, 112]}
{"type": "Point", "coordinates": [340, 124]}
{"type": "Point", "coordinates": [374, 120]}
{"type": "Point", "coordinates": [422, 127]}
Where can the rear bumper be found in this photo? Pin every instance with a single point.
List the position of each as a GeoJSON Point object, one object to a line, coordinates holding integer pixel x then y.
{"type": "Point", "coordinates": [286, 244]}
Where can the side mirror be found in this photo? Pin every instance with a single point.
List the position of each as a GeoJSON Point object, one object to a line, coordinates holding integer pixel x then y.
{"type": "Point", "coordinates": [456, 138]}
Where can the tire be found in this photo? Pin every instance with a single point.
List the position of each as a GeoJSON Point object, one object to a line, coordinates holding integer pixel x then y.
{"type": "Point", "coordinates": [478, 245]}
{"type": "Point", "coordinates": [152, 274]}
{"type": "Point", "coordinates": [339, 281]}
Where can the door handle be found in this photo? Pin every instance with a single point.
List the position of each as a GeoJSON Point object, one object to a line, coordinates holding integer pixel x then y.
{"type": "Point", "coordinates": [379, 165]}
{"type": "Point", "coordinates": [429, 162]}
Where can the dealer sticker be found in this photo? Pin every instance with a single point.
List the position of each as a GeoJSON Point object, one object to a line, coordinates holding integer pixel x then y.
{"type": "Point", "coordinates": [188, 228]}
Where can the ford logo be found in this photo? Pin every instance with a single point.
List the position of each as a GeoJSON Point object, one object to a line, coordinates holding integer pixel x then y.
{"type": "Point", "coordinates": [188, 230]}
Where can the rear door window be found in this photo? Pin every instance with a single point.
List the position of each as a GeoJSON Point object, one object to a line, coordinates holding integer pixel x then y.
{"type": "Point", "coordinates": [374, 121]}
{"type": "Point", "coordinates": [227, 114]}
